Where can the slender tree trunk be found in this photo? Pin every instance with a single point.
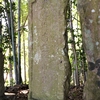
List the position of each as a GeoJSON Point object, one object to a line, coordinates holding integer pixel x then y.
{"type": "Point", "coordinates": [19, 43]}
{"type": "Point", "coordinates": [24, 50]}
{"type": "Point", "coordinates": [90, 17]}
{"type": "Point", "coordinates": [13, 44]}
{"type": "Point", "coordinates": [11, 69]}
{"type": "Point", "coordinates": [1, 74]}
{"type": "Point", "coordinates": [1, 66]}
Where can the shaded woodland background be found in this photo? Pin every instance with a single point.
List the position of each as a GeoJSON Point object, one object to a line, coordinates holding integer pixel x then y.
{"type": "Point", "coordinates": [14, 42]}
{"type": "Point", "coordinates": [14, 46]}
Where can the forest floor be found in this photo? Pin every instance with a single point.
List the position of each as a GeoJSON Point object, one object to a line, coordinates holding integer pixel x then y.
{"type": "Point", "coordinates": [20, 92]}
{"type": "Point", "coordinates": [76, 93]}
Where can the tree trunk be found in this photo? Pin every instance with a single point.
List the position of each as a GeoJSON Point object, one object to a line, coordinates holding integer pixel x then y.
{"type": "Point", "coordinates": [49, 70]}
{"type": "Point", "coordinates": [1, 66]}
{"type": "Point", "coordinates": [1, 75]}
{"type": "Point", "coordinates": [90, 18]}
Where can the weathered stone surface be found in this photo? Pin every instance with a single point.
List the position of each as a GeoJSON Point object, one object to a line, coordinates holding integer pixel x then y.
{"type": "Point", "coordinates": [90, 20]}
{"type": "Point", "coordinates": [49, 67]}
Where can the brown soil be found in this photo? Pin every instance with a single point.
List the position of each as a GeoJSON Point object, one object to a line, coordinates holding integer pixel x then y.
{"type": "Point", "coordinates": [20, 92]}
{"type": "Point", "coordinates": [17, 92]}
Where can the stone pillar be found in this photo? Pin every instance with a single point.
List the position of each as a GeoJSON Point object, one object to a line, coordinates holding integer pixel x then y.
{"type": "Point", "coordinates": [49, 66]}
{"type": "Point", "coordinates": [90, 20]}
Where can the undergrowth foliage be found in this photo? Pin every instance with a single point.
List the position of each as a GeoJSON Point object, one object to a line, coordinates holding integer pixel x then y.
{"type": "Point", "coordinates": [75, 44]}
{"type": "Point", "coordinates": [9, 39]}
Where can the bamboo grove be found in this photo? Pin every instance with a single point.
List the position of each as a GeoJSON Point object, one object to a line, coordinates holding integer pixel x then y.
{"type": "Point", "coordinates": [13, 28]}
{"type": "Point", "coordinates": [13, 42]}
